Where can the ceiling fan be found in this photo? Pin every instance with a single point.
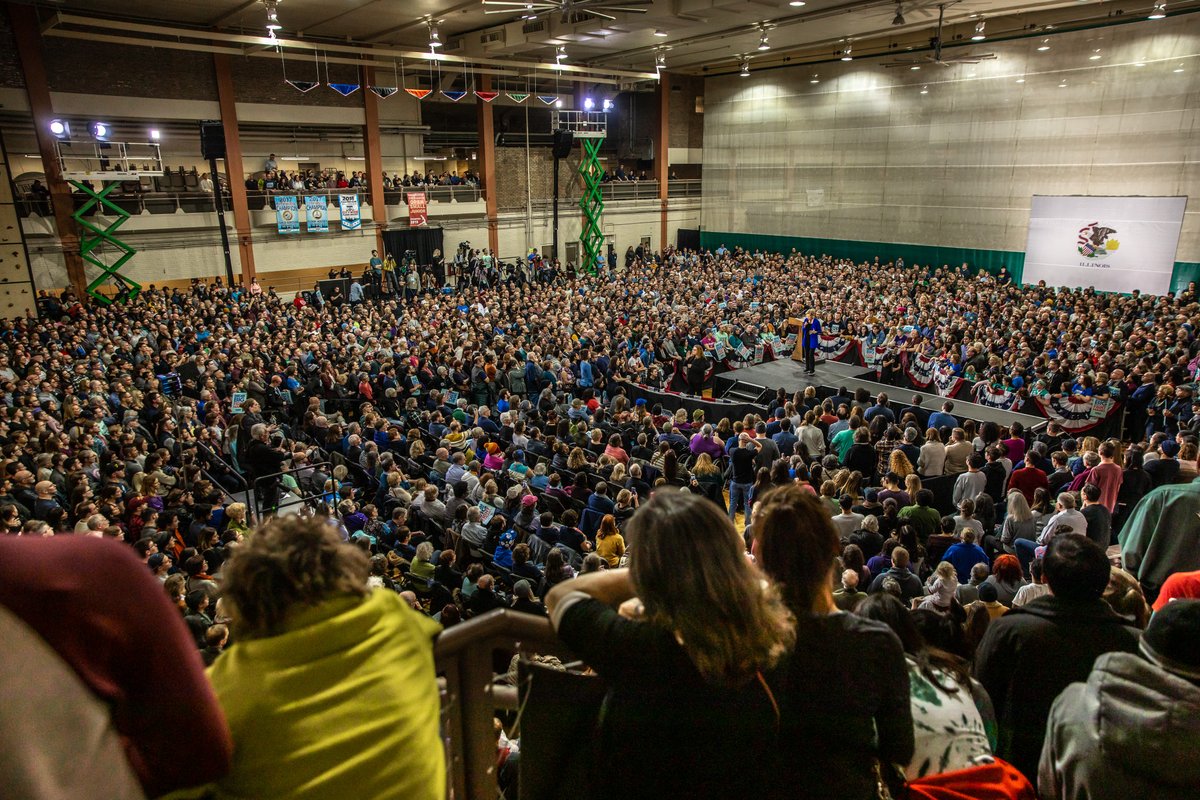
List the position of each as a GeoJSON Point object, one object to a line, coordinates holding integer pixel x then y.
{"type": "Point", "coordinates": [936, 56]}
{"type": "Point", "coordinates": [570, 10]}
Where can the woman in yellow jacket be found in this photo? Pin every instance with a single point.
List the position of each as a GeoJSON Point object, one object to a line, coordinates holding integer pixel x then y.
{"type": "Point", "coordinates": [330, 691]}
{"type": "Point", "coordinates": [610, 545]}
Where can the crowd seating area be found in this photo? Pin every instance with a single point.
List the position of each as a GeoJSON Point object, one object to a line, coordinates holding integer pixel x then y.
{"type": "Point", "coordinates": [413, 518]}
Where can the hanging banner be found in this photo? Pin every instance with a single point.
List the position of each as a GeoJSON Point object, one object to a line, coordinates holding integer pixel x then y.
{"type": "Point", "coordinates": [316, 213]}
{"type": "Point", "coordinates": [420, 94]}
{"type": "Point", "coordinates": [992, 397]}
{"type": "Point", "coordinates": [287, 214]}
{"type": "Point", "coordinates": [351, 218]}
{"type": "Point", "coordinates": [947, 384]}
{"type": "Point", "coordinates": [417, 213]}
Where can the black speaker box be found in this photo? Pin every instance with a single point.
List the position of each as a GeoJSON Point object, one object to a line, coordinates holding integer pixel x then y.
{"type": "Point", "coordinates": [563, 142]}
{"type": "Point", "coordinates": [212, 139]}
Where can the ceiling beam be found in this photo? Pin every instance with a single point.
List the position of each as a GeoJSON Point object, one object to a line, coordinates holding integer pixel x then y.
{"type": "Point", "coordinates": [467, 5]}
{"type": "Point", "coordinates": [233, 14]}
{"type": "Point", "coordinates": [165, 31]}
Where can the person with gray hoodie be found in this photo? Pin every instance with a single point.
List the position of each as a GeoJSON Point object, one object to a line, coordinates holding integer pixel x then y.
{"type": "Point", "coordinates": [1133, 729]}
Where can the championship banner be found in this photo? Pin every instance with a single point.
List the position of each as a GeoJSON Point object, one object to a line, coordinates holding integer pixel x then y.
{"type": "Point", "coordinates": [1116, 244]}
{"type": "Point", "coordinates": [417, 212]}
{"type": "Point", "coordinates": [920, 369]}
{"type": "Point", "coordinates": [1077, 415]}
{"type": "Point", "coordinates": [351, 217]}
{"type": "Point", "coordinates": [315, 212]}
{"type": "Point", "coordinates": [287, 214]}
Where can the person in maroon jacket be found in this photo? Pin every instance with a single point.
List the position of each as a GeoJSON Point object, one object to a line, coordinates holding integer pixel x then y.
{"type": "Point", "coordinates": [98, 607]}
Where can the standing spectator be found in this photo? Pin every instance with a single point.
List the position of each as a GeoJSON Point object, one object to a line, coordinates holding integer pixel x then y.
{"type": "Point", "coordinates": [1031, 654]}
{"type": "Point", "coordinates": [965, 554]}
{"type": "Point", "coordinates": [1131, 728]}
{"type": "Point", "coordinates": [1162, 535]}
{"type": "Point", "coordinates": [1099, 518]}
{"type": "Point", "coordinates": [971, 483]}
{"type": "Point", "coordinates": [304, 620]}
{"type": "Point", "coordinates": [855, 717]}
{"type": "Point", "coordinates": [741, 476]}
{"type": "Point", "coordinates": [687, 673]}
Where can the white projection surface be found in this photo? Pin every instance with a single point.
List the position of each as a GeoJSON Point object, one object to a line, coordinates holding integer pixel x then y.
{"type": "Point", "coordinates": [1116, 244]}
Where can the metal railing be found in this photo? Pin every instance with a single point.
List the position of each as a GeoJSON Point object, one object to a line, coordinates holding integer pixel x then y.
{"type": "Point", "coordinates": [303, 496]}
{"type": "Point", "coordinates": [193, 201]}
{"type": "Point", "coordinates": [463, 656]}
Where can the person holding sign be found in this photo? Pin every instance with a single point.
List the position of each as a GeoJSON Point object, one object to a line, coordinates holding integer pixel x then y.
{"type": "Point", "coordinates": [810, 337]}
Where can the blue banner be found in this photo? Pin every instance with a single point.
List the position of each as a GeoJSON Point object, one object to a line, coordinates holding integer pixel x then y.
{"type": "Point", "coordinates": [351, 218]}
{"type": "Point", "coordinates": [287, 214]}
{"type": "Point", "coordinates": [316, 212]}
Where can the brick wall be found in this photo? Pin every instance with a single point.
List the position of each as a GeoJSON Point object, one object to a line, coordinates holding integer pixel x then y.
{"type": "Point", "coordinates": [510, 176]}
{"type": "Point", "coordinates": [260, 80]}
{"type": "Point", "coordinates": [73, 65]}
{"type": "Point", "coordinates": [686, 126]}
{"type": "Point", "coordinates": [11, 76]}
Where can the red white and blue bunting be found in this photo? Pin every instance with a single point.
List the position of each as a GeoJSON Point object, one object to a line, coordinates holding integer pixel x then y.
{"type": "Point", "coordinates": [1077, 414]}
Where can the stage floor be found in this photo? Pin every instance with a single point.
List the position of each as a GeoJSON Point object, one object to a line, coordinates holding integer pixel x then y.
{"type": "Point", "coordinates": [789, 375]}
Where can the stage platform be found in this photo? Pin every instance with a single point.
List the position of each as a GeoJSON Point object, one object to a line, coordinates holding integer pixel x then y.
{"type": "Point", "coordinates": [789, 375]}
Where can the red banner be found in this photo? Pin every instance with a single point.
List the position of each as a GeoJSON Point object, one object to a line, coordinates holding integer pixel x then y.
{"type": "Point", "coordinates": [417, 215]}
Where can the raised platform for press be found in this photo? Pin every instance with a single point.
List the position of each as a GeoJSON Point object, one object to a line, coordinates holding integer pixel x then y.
{"type": "Point", "coordinates": [789, 375]}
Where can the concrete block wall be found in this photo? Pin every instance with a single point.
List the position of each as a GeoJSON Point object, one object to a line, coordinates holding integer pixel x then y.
{"type": "Point", "coordinates": [865, 155]}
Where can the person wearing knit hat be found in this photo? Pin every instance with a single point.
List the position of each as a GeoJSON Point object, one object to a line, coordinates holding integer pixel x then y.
{"type": "Point", "coordinates": [1133, 728]}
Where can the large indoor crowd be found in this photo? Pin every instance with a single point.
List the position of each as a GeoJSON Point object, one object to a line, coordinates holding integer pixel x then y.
{"type": "Point", "coordinates": [778, 604]}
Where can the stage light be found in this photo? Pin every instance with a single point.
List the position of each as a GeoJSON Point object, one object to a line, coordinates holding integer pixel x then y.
{"type": "Point", "coordinates": [558, 103]}
{"type": "Point", "coordinates": [155, 135]}
{"type": "Point", "coordinates": [796, 3]}
{"type": "Point", "coordinates": [745, 73]}
{"type": "Point", "coordinates": [762, 42]}
{"type": "Point", "coordinates": [100, 130]}
{"type": "Point", "coordinates": [660, 61]}
{"type": "Point", "coordinates": [434, 39]}
{"type": "Point", "coordinates": [924, 90]}
{"type": "Point", "coordinates": [272, 17]}
{"type": "Point", "coordinates": [979, 34]}
{"type": "Point", "coordinates": [1160, 11]}
{"type": "Point", "coordinates": [660, 33]}
{"type": "Point", "coordinates": [60, 128]}
{"type": "Point", "coordinates": [846, 54]}
{"type": "Point", "coordinates": [1044, 46]}
{"type": "Point", "coordinates": [899, 18]}
{"type": "Point", "coordinates": [607, 104]}
{"type": "Point", "coordinates": [588, 104]}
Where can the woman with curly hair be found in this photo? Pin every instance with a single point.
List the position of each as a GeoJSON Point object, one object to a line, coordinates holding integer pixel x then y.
{"type": "Point", "coordinates": [304, 620]}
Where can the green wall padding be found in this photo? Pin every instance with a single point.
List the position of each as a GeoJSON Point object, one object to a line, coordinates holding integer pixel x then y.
{"type": "Point", "coordinates": [926, 255]}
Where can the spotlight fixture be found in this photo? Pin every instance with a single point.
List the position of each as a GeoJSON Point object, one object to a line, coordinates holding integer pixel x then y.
{"type": "Point", "coordinates": [979, 34]}
{"type": "Point", "coordinates": [272, 17]}
{"type": "Point", "coordinates": [588, 104]}
{"type": "Point", "coordinates": [660, 33]}
{"type": "Point", "coordinates": [846, 54]}
{"type": "Point", "coordinates": [745, 73]}
{"type": "Point", "coordinates": [558, 103]}
{"type": "Point", "coordinates": [899, 18]}
{"type": "Point", "coordinates": [1095, 56]}
{"type": "Point", "coordinates": [100, 131]}
{"type": "Point", "coordinates": [660, 61]}
{"type": "Point", "coordinates": [560, 53]}
{"type": "Point", "coordinates": [762, 42]}
{"type": "Point", "coordinates": [924, 90]}
{"type": "Point", "coordinates": [155, 135]}
{"type": "Point", "coordinates": [1160, 11]}
{"type": "Point", "coordinates": [435, 39]}
{"type": "Point", "coordinates": [796, 3]}
{"type": "Point", "coordinates": [606, 105]}
{"type": "Point", "coordinates": [915, 67]}
{"type": "Point", "coordinates": [1020, 80]}
{"type": "Point", "coordinates": [1044, 46]}
{"type": "Point", "coordinates": [60, 128]}
{"type": "Point", "coordinates": [816, 78]}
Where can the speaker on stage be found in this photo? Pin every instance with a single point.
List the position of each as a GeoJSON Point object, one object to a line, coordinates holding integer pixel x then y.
{"type": "Point", "coordinates": [212, 139]}
{"type": "Point", "coordinates": [563, 142]}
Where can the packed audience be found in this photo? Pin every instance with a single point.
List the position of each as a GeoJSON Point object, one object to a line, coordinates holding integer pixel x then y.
{"type": "Point", "coordinates": [315, 489]}
{"type": "Point", "coordinates": [273, 179]}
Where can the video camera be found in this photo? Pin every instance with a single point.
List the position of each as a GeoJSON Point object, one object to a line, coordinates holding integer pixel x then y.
{"type": "Point", "coordinates": [171, 384]}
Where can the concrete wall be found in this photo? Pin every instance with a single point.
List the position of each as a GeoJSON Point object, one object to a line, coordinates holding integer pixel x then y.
{"type": "Point", "coordinates": [865, 155]}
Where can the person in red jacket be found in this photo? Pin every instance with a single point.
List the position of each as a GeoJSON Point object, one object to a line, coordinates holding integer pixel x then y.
{"type": "Point", "coordinates": [1027, 480]}
{"type": "Point", "coordinates": [106, 616]}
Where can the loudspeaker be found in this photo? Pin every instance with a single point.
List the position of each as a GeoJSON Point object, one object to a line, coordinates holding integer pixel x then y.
{"type": "Point", "coordinates": [212, 139]}
{"type": "Point", "coordinates": [563, 142]}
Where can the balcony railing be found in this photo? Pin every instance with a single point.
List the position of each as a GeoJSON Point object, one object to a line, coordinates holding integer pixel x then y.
{"type": "Point", "coordinates": [191, 201]}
